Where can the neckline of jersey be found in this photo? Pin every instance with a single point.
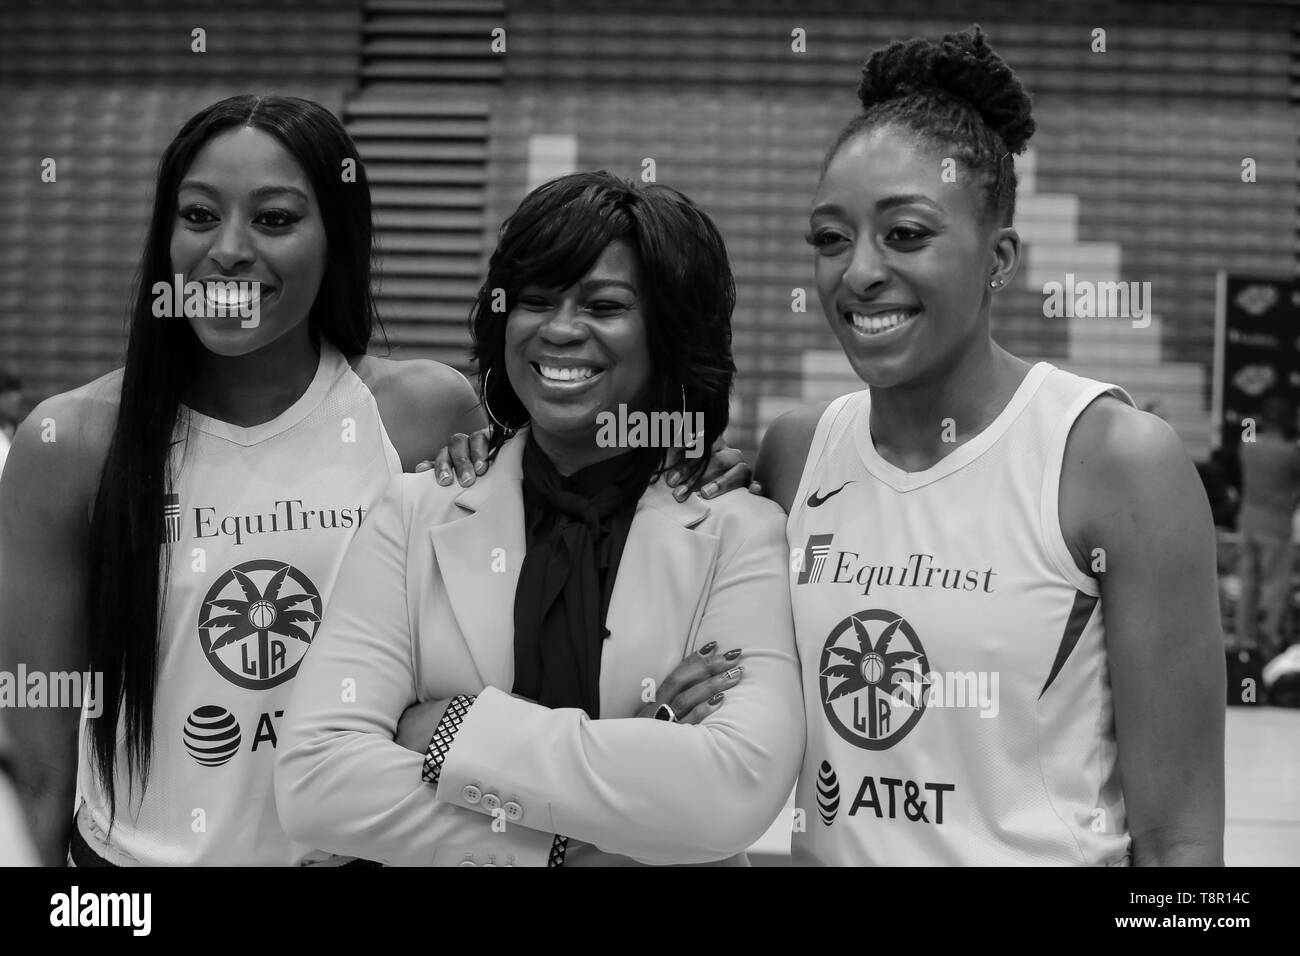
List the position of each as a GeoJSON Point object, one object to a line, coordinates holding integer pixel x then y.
{"type": "Point", "coordinates": [329, 366]}
{"type": "Point", "coordinates": [905, 481]}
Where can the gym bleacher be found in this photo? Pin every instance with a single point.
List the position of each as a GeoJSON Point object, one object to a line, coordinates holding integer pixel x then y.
{"type": "Point", "coordinates": [1134, 174]}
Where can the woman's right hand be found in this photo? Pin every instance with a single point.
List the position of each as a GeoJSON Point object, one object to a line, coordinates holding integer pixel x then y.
{"type": "Point", "coordinates": [696, 686]}
{"type": "Point", "coordinates": [464, 458]}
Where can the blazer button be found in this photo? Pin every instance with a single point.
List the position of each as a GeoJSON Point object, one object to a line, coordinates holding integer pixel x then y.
{"type": "Point", "coordinates": [472, 794]}
{"type": "Point", "coordinates": [514, 812]}
{"type": "Point", "coordinates": [467, 863]}
{"type": "Point", "coordinates": [491, 802]}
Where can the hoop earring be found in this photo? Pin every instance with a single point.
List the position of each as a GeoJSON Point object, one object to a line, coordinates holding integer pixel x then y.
{"type": "Point", "coordinates": [488, 408]}
{"type": "Point", "coordinates": [685, 435]}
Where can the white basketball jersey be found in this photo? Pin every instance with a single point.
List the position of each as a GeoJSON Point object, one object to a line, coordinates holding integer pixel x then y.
{"type": "Point", "coordinates": [955, 678]}
{"type": "Point", "coordinates": [257, 525]}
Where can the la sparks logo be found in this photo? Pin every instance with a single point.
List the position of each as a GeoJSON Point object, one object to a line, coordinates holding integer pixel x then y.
{"type": "Point", "coordinates": [873, 679]}
{"type": "Point", "coordinates": [257, 622]}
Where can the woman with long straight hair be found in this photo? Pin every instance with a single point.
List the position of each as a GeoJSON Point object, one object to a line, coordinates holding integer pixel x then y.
{"type": "Point", "coordinates": [1006, 607]}
{"type": "Point", "coordinates": [175, 526]}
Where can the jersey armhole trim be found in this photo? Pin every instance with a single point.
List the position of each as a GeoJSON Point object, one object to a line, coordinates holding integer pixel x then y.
{"type": "Point", "coordinates": [821, 438]}
{"type": "Point", "coordinates": [1049, 510]}
{"type": "Point", "coordinates": [391, 453]}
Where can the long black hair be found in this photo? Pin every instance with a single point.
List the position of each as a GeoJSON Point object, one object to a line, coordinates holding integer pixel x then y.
{"type": "Point", "coordinates": [554, 238]}
{"type": "Point", "coordinates": [128, 574]}
{"type": "Point", "coordinates": [957, 96]}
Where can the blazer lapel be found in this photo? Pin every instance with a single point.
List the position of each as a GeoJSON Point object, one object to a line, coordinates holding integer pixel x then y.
{"type": "Point", "coordinates": [663, 575]}
{"type": "Point", "coordinates": [666, 570]}
{"type": "Point", "coordinates": [480, 580]}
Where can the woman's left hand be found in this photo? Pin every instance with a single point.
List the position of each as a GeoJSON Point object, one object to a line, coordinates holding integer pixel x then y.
{"type": "Point", "coordinates": [727, 471]}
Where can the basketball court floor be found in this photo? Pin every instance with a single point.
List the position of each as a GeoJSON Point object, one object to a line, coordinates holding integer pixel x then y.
{"type": "Point", "coordinates": [1263, 787]}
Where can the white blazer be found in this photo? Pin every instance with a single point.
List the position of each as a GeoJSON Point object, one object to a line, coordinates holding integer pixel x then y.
{"type": "Point", "coordinates": [423, 609]}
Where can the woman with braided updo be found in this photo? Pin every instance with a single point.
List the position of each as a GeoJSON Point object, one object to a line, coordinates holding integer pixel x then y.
{"type": "Point", "coordinates": [965, 520]}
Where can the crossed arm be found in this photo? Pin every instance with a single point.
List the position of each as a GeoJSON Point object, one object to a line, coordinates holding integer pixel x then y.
{"type": "Point", "coordinates": [651, 790]}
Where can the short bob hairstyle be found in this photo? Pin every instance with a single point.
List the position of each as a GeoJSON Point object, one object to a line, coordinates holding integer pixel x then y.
{"type": "Point", "coordinates": [684, 281]}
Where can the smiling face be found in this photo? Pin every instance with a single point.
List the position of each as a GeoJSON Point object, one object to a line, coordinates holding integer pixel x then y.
{"type": "Point", "coordinates": [902, 259]}
{"type": "Point", "coordinates": [247, 212]}
{"type": "Point", "coordinates": [571, 353]}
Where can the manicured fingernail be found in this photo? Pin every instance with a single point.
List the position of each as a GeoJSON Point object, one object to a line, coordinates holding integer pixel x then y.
{"type": "Point", "coordinates": [710, 490]}
{"type": "Point", "coordinates": [444, 477]}
{"type": "Point", "coordinates": [480, 468]}
{"type": "Point", "coordinates": [708, 648]}
{"type": "Point", "coordinates": [681, 494]}
{"type": "Point", "coordinates": [735, 672]}
{"type": "Point", "coordinates": [672, 479]}
{"type": "Point", "coordinates": [716, 699]}
{"type": "Point", "coordinates": [465, 476]}
{"type": "Point", "coordinates": [732, 655]}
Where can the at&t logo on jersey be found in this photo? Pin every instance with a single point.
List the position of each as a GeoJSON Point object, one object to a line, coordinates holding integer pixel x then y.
{"type": "Point", "coordinates": [888, 798]}
{"type": "Point", "coordinates": [872, 679]}
{"type": "Point", "coordinates": [828, 792]}
{"type": "Point", "coordinates": [257, 622]}
{"type": "Point", "coordinates": [212, 735]}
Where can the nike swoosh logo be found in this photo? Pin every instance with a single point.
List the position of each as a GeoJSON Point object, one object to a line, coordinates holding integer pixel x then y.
{"type": "Point", "coordinates": [816, 501]}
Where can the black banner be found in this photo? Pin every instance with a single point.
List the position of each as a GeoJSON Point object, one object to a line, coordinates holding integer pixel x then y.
{"type": "Point", "coordinates": [330, 910]}
{"type": "Point", "coordinates": [1260, 349]}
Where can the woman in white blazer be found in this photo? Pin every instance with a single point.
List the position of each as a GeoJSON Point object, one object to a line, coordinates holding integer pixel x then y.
{"type": "Point", "coordinates": [430, 724]}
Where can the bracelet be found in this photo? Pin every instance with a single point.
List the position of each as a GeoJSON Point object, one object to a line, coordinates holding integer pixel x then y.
{"type": "Point", "coordinates": [443, 735]}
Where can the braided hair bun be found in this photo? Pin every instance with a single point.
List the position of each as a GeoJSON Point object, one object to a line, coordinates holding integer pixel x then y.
{"type": "Point", "coordinates": [961, 66]}
{"type": "Point", "coordinates": [958, 98]}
